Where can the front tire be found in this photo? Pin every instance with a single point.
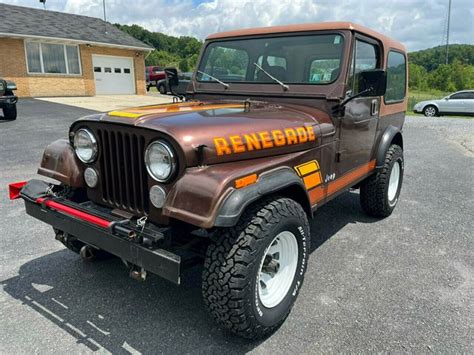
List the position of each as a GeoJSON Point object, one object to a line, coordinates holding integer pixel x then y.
{"type": "Point", "coordinates": [379, 192]}
{"type": "Point", "coordinates": [9, 112]}
{"type": "Point", "coordinates": [430, 111]}
{"type": "Point", "coordinates": [162, 89]}
{"type": "Point", "coordinates": [254, 271]}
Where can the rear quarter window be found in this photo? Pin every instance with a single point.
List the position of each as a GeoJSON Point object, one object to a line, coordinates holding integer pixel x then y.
{"type": "Point", "coordinates": [396, 77]}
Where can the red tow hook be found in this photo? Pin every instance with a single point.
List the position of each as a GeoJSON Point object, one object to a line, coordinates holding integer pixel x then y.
{"type": "Point", "coordinates": [14, 189]}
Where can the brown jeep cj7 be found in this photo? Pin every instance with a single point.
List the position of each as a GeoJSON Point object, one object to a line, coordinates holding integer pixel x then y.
{"type": "Point", "coordinates": [276, 122]}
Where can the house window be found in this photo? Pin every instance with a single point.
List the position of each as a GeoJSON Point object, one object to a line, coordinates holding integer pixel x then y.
{"type": "Point", "coordinates": [52, 58]}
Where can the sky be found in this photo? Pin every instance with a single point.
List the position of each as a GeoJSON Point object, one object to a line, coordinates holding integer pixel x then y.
{"type": "Point", "coordinates": [418, 24]}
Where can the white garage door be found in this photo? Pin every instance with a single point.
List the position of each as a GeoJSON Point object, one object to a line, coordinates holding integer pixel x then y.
{"type": "Point", "coordinates": [113, 75]}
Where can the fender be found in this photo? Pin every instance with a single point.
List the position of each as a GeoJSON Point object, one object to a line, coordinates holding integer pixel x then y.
{"type": "Point", "coordinates": [391, 134]}
{"type": "Point", "coordinates": [207, 196]}
{"type": "Point", "coordinates": [270, 182]}
{"type": "Point", "coordinates": [59, 162]}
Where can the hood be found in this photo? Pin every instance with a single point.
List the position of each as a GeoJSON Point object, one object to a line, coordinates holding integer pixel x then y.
{"type": "Point", "coordinates": [216, 132]}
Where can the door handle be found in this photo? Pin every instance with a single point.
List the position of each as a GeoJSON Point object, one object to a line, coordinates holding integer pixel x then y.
{"type": "Point", "coordinates": [374, 107]}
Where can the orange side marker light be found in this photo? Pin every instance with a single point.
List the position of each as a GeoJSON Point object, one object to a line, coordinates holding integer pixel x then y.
{"type": "Point", "coordinates": [245, 181]}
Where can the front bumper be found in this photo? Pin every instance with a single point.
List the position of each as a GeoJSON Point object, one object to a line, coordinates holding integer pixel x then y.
{"type": "Point", "coordinates": [10, 99]}
{"type": "Point", "coordinates": [122, 238]}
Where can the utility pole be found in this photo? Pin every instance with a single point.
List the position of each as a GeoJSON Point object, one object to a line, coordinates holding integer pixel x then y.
{"type": "Point", "coordinates": [447, 32]}
{"type": "Point", "coordinates": [105, 15]}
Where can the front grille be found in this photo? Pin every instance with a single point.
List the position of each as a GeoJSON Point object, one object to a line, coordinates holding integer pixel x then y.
{"type": "Point", "coordinates": [124, 178]}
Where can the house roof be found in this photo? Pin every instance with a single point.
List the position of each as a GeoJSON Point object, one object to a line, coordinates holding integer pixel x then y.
{"type": "Point", "coordinates": [25, 22]}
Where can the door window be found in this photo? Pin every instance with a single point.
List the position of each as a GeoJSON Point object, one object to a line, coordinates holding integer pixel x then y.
{"type": "Point", "coordinates": [365, 58]}
{"type": "Point", "coordinates": [459, 96]}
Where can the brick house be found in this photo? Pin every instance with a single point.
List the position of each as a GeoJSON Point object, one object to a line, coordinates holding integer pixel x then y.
{"type": "Point", "coordinates": [48, 53]}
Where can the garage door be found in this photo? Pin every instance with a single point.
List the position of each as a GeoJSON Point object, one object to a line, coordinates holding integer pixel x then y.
{"type": "Point", "coordinates": [113, 75]}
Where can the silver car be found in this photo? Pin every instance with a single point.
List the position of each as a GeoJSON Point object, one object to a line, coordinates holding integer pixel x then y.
{"type": "Point", "coordinates": [459, 103]}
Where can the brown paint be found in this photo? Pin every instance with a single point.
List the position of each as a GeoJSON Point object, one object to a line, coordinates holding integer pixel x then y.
{"type": "Point", "coordinates": [293, 130]}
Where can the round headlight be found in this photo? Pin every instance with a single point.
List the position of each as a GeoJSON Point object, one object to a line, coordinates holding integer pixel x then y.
{"type": "Point", "coordinates": [85, 145]}
{"type": "Point", "coordinates": [160, 161]}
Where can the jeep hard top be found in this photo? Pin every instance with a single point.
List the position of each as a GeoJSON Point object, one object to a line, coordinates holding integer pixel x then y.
{"type": "Point", "coordinates": [276, 122]}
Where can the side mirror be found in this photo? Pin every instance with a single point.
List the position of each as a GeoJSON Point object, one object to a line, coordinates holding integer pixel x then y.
{"type": "Point", "coordinates": [372, 82]}
{"type": "Point", "coordinates": [446, 98]}
{"type": "Point", "coordinates": [172, 76]}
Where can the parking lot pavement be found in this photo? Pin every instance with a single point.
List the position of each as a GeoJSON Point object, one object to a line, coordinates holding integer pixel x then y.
{"type": "Point", "coordinates": [405, 283]}
{"type": "Point", "coordinates": [104, 103]}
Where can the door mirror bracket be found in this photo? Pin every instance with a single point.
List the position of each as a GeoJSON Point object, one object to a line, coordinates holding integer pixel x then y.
{"type": "Point", "coordinates": [371, 83]}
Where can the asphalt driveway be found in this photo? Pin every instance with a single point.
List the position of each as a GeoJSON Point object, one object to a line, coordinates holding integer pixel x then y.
{"type": "Point", "coordinates": [403, 284]}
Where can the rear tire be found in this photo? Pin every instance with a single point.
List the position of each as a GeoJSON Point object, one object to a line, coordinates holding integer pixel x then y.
{"type": "Point", "coordinates": [379, 192]}
{"type": "Point", "coordinates": [430, 111]}
{"type": "Point", "coordinates": [9, 112]}
{"type": "Point", "coordinates": [254, 271]}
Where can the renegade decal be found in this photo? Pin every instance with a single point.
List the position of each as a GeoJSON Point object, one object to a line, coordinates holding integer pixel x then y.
{"type": "Point", "coordinates": [241, 143]}
{"type": "Point", "coordinates": [310, 173]}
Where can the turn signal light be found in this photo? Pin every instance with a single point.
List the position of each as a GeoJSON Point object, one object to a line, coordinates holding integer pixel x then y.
{"type": "Point", "coordinates": [245, 181]}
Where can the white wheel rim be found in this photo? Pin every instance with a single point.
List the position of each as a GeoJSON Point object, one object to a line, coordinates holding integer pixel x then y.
{"type": "Point", "coordinates": [430, 111]}
{"type": "Point", "coordinates": [277, 269]}
{"type": "Point", "coordinates": [393, 182]}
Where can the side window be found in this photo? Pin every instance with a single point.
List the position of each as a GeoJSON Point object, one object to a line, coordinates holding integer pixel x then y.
{"type": "Point", "coordinates": [365, 58]}
{"type": "Point", "coordinates": [323, 71]}
{"type": "Point", "coordinates": [470, 95]}
{"type": "Point", "coordinates": [396, 77]}
{"type": "Point", "coordinates": [461, 96]}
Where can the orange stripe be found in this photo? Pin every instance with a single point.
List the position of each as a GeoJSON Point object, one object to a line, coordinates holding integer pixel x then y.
{"type": "Point", "coordinates": [307, 168]}
{"type": "Point", "coordinates": [346, 180]}
{"type": "Point", "coordinates": [312, 180]}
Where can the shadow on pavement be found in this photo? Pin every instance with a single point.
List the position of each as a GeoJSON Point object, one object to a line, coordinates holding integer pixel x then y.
{"type": "Point", "coordinates": [99, 305]}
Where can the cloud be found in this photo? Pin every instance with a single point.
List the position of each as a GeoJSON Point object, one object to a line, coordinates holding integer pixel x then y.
{"type": "Point", "coordinates": [417, 23]}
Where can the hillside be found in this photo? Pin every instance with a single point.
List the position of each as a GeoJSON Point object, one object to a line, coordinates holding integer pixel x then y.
{"type": "Point", "coordinates": [426, 69]}
{"type": "Point", "coordinates": [431, 58]}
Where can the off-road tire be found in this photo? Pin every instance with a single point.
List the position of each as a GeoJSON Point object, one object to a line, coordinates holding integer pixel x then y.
{"type": "Point", "coordinates": [430, 111]}
{"type": "Point", "coordinates": [9, 112]}
{"type": "Point", "coordinates": [233, 261]}
{"type": "Point", "coordinates": [374, 197]}
{"type": "Point", "coordinates": [161, 89]}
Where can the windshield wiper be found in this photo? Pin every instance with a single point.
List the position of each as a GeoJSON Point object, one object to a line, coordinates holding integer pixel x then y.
{"type": "Point", "coordinates": [285, 87]}
{"type": "Point", "coordinates": [214, 78]}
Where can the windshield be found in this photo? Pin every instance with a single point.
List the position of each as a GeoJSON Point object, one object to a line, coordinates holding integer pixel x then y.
{"type": "Point", "coordinates": [309, 59]}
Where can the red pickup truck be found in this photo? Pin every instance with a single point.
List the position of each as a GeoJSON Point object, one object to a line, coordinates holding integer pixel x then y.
{"type": "Point", "coordinates": [152, 75]}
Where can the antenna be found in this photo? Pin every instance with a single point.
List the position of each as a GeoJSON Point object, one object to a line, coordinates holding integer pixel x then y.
{"type": "Point", "coordinates": [447, 32]}
{"type": "Point", "coordinates": [105, 16]}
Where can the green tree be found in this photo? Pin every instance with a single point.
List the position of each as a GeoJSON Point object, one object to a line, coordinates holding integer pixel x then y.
{"type": "Point", "coordinates": [183, 65]}
{"type": "Point", "coordinates": [418, 77]}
